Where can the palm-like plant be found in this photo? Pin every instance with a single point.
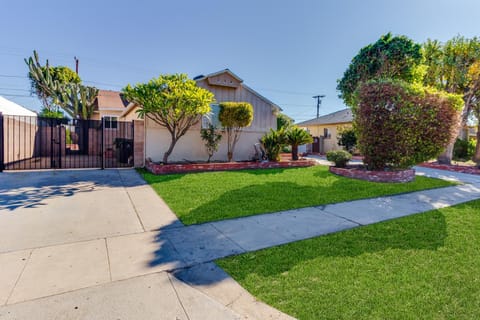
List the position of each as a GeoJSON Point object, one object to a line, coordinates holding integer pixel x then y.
{"type": "Point", "coordinates": [295, 137]}
{"type": "Point", "coordinates": [273, 142]}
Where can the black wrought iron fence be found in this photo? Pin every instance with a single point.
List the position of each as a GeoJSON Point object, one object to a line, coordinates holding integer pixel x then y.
{"type": "Point", "coordinates": [28, 142]}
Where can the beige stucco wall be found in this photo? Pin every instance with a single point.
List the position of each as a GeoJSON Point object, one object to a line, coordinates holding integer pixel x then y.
{"type": "Point", "coordinates": [331, 143]}
{"type": "Point", "coordinates": [192, 148]}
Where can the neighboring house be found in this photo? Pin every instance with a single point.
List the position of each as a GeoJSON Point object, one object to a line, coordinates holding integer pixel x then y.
{"type": "Point", "coordinates": [8, 107]}
{"type": "Point", "coordinates": [326, 128]}
{"type": "Point", "coordinates": [226, 86]}
{"type": "Point", "coordinates": [109, 105]}
{"type": "Point", "coordinates": [18, 123]}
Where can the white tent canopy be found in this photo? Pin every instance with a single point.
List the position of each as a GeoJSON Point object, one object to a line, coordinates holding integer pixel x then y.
{"type": "Point", "coordinates": [8, 107]}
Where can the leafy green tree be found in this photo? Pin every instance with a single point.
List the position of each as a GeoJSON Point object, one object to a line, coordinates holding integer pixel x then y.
{"type": "Point", "coordinates": [175, 102]}
{"type": "Point", "coordinates": [55, 114]}
{"type": "Point", "coordinates": [451, 68]}
{"type": "Point", "coordinates": [296, 136]}
{"type": "Point", "coordinates": [212, 139]}
{"type": "Point", "coordinates": [284, 121]}
{"type": "Point", "coordinates": [234, 116]}
{"type": "Point", "coordinates": [347, 138]}
{"type": "Point", "coordinates": [43, 78]}
{"type": "Point", "coordinates": [273, 142]}
{"type": "Point", "coordinates": [473, 76]}
{"type": "Point", "coordinates": [391, 57]}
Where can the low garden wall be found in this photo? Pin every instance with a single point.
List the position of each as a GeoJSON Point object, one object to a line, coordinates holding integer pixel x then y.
{"type": "Point", "coordinates": [375, 176]}
{"type": "Point", "coordinates": [156, 168]}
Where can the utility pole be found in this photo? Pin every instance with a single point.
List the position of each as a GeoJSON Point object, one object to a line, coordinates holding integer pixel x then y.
{"type": "Point", "coordinates": [76, 64]}
{"type": "Point", "coordinates": [319, 102]}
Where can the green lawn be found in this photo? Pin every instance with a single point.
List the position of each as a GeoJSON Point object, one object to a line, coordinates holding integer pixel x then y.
{"type": "Point", "coordinates": [210, 196]}
{"type": "Point", "coordinates": [425, 266]}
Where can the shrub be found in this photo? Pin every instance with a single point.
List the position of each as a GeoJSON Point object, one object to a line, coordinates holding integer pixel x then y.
{"type": "Point", "coordinates": [295, 137]}
{"type": "Point", "coordinates": [464, 149]}
{"type": "Point", "coordinates": [212, 139]}
{"type": "Point", "coordinates": [273, 142]}
{"type": "Point", "coordinates": [400, 125]}
{"type": "Point", "coordinates": [347, 138]}
{"type": "Point", "coordinates": [234, 116]}
{"type": "Point", "coordinates": [339, 157]}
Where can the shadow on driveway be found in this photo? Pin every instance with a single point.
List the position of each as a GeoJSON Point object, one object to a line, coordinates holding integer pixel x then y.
{"type": "Point", "coordinates": [31, 189]}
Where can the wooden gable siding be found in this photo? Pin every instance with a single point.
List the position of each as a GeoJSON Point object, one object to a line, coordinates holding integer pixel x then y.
{"type": "Point", "coordinates": [263, 116]}
{"type": "Point", "coordinates": [223, 79]}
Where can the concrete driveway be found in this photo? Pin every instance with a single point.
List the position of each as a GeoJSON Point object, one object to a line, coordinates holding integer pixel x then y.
{"type": "Point", "coordinates": [87, 244]}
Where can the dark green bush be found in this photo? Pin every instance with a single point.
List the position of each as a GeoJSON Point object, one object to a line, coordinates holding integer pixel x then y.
{"type": "Point", "coordinates": [400, 125]}
{"type": "Point", "coordinates": [339, 157]}
{"type": "Point", "coordinates": [464, 149]}
{"type": "Point", "coordinates": [347, 138]}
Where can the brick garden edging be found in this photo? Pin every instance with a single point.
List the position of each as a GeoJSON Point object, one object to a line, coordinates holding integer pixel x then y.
{"type": "Point", "coordinates": [223, 166]}
{"type": "Point", "coordinates": [375, 176]}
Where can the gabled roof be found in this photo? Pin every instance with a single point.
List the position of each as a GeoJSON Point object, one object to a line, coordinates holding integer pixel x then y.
{"type": "Point", "coordinates": [8, 107]}
{"type": "Point", "coordinates": [111, 100]}
{"type": "Point", "coordinates": [240, 80]}
{"type": "Point", "coordinates": [201, 77]}
{"type": "Point", "coordinates": [341, 116]}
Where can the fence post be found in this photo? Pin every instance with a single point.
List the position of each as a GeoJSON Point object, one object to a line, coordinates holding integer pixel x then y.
{"type": "Point", "coordinates": [103, 143]}
{"type": "Point", "coordinates": [133, 143]}
{"type": "Point", "coordinates": [2, 145]}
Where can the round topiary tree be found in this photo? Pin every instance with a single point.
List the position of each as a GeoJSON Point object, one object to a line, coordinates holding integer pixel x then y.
{"type": "Point", "coordinates": [234, 116]}
{"type": "Point", "coordinates": [400, 124]}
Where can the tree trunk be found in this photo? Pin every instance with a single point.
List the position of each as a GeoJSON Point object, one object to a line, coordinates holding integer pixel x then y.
{"type": "Point", "coordinates": [229, 156]}
{"type": "Point", "coordinates": [476, 156]}
{"type": "Point", "coordinates": [169, 151]}
{"type": "Point", "coordinates": [294, 152]}
{"type": "Point", "coordinates": [446, 156]}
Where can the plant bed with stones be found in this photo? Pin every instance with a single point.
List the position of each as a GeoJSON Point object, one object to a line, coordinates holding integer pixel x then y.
{"type": "Point", "coordinates": [360, 172]}
{"type": "Point", "coordinates": [158, 168]}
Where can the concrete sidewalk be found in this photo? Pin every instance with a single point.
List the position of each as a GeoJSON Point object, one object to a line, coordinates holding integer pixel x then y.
{"type": "Point", "coordinates": [122, 270]}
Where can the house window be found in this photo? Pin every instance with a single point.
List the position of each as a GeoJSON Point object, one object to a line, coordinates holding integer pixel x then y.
{"type": "Point", "coordinates": [326, 133]}
{"type": "Point", "coordinates": [212, 117]}
{"type": "Point", "coordinates": [110, 122]}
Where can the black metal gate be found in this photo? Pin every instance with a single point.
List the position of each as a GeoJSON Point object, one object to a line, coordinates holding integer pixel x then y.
{"type": "Point", "coordinates": [44, 143]}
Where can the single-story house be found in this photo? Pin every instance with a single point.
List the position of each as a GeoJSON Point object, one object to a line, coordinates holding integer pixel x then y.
{"type": "Point", "coordinates": [8, 107]}
{"type": "Point", "coordinates": [226, 86]}
{"type": "Point", "coordinates": [19, 124]}
{"type": "Point", "coordinates": [326, 128]}
{"type": "Point", "coordinates": [109, 105]}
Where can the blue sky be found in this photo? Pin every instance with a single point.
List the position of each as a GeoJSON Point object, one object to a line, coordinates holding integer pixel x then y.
{"type": "Point", "coordinates": [286, 50]}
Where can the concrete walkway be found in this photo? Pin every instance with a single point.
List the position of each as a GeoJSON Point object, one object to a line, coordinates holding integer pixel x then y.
{"type": "Point", "coordinates": [103, 245]}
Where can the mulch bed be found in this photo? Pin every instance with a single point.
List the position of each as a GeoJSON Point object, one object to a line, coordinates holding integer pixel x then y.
{"type": "Point", "coordinates": [452, 167]}
{"type": "Point", "coordinates": [156, 168]}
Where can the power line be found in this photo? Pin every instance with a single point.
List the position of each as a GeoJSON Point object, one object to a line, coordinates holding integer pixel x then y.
{"type": "Point", "coordinates": [14, 89]}
{"type": "Point", "coordinates": [12, 76]}
{"type": "Point", "coordinates": [16, 95]}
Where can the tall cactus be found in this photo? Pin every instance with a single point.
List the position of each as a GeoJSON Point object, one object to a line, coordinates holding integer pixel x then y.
{"type": "Point", "coordinates": [76, 100]}
{"type": "Point", "coordinates": [41, 80]}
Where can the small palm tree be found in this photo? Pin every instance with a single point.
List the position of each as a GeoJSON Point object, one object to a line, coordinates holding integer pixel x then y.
{"type": "Point", "coordinates": [273, 142]}
{"type": "Point", "coordinates": [295, 137]}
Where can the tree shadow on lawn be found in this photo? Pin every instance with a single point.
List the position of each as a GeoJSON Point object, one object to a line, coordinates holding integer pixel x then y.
{"type": "Point", "coordinates": [426, 231]}
{"type": "Point", "coordinates": [271, 197]}
{"type": "Point", "coordinates": [257, 199]}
